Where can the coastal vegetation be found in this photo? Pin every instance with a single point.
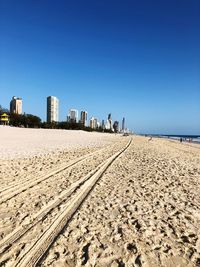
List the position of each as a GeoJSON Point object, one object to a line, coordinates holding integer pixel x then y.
{"type": "Point", "coordinates": [33, 121]}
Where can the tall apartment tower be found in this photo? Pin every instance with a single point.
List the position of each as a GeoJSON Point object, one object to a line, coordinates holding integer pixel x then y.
{"type": "Point", "coordinates": [123, 124]}
{"type": "Point", "coordinates": [83, 118]}
{"type": "Point", "coordinates": [73, 115]}
{"type": "Point", "coordinates": [52, 109]}
{"type": "Point", "coordinates": [103, 124]}
{"type": "Point", "coordinates": [116, 126]}
{"type": "Point", "coordinates": [16, 105]}
{"type": "Point", "coordinates": [93, 123]}
{"type": "Point", "coordinates": [108, 124]}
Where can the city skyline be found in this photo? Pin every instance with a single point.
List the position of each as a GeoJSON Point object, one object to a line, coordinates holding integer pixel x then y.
{"type": "Point", "coordinates": [139, 60]}
{"type": "Point", "coordinates": [53, 109]}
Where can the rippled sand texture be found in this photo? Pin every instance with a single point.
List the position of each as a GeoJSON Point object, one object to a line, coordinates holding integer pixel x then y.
{"type": "Point", "coordinates": [126, 203]}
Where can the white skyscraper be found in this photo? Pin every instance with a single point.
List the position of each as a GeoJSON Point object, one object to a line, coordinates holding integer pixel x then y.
{"type": "Point", "coordinates": [109, 123]}
{"type": "Point", "coordinates": [93, 123]}
{"type": "Point", "coordinates": [52, 109]}
{"type": "Point", "coordinates": [16, 105]}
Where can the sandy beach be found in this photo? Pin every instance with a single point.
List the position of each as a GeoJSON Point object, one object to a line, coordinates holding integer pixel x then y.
{"type": "Point", "coordinates": [72, 198]}
{"type": "Point", "coordinates": [23, 143]}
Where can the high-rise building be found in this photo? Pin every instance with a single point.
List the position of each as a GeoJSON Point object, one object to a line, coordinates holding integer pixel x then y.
{"type": "Point", "coordinates": [110, 121]}
{"type": "Point", "coordinates": [52, 109]}
{"type": "Point", "coordinates": [93, 123]}
{"type": "Point", "coordinates": [73, 115]}
{"type": "Point", "coordinates": [83, 118]}
{"type": "Point", "coordinates": [123, 124]}
{"type": "Point", "coordinates": [116, 126]}
{"type": "Point", "coordinates": [108, 124]}
{"type": "Point", "coordinates": [68, 118]}
{"type": "Point", "coordinates": [16, 105]}
{"type": "Point", "coordinates": [103, 124]}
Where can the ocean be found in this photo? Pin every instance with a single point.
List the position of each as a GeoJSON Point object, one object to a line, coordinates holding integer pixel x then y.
{"type": "Point", "coordinates": [187, 138]}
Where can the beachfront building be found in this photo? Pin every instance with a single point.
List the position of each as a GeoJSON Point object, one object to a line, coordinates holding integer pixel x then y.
{"type": "Point", "coordinates": [116, 126]}
{"type": "Point", "coordinates": [72, 116]}
{"type": "Point", "coordinates": [93, 123]}
{"type": "Point", "coordinates": [4, 119]}
{"type": "Point", "coordinates": [83, 118]}
{"type": "Point", "coordinates": [103, 124]}
{"type": "Point", "coordinates": [123, 124]}
{"type": "Point", "coordinates": [52, 109]}
{"type": "Point", "coordinates": [16, 105]}
{"type": "Point", "coordinates": [108, 124]}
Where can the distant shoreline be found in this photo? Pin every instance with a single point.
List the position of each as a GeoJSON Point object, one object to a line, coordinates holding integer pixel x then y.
{"type": "Point", "coordinates": [194, 139]}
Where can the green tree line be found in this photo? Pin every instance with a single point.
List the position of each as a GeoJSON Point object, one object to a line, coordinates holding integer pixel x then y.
{"type": "Point", "coordinates": [32, 121]}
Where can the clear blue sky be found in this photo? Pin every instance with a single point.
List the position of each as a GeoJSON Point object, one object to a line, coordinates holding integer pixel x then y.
{"type": "Point", "coordinates": [134, 58]}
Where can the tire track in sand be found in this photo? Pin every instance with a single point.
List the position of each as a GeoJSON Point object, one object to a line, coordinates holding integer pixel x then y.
{"type": "Point", "coordinates": [10, 239]}
{"type": "Point", "coordinates": [36, 252]}
{"type": "Point", "coordinates": [11, 191]}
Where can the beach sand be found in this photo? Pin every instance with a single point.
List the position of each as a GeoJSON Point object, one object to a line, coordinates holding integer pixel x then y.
{"type": "Point", "coordinates": [143, 210]}
{"type": "Point", "coordinates": [24, 142]}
